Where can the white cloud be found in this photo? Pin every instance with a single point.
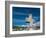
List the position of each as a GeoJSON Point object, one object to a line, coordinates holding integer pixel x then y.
{"type": "Point", "coordinates": [36, 23]}
{"type": "Point", "coordinates": [36, 18]}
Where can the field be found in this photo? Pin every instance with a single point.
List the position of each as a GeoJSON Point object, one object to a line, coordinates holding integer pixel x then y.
{"type": "Point", "coordinates": [17, 28]}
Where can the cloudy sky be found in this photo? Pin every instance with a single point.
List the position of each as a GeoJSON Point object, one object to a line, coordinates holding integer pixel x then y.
{"type": "Point", "coordinates": [20, 13]}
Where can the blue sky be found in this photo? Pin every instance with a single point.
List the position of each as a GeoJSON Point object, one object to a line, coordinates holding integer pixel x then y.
{"type": "Point", "coordinates": [20, 13]}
